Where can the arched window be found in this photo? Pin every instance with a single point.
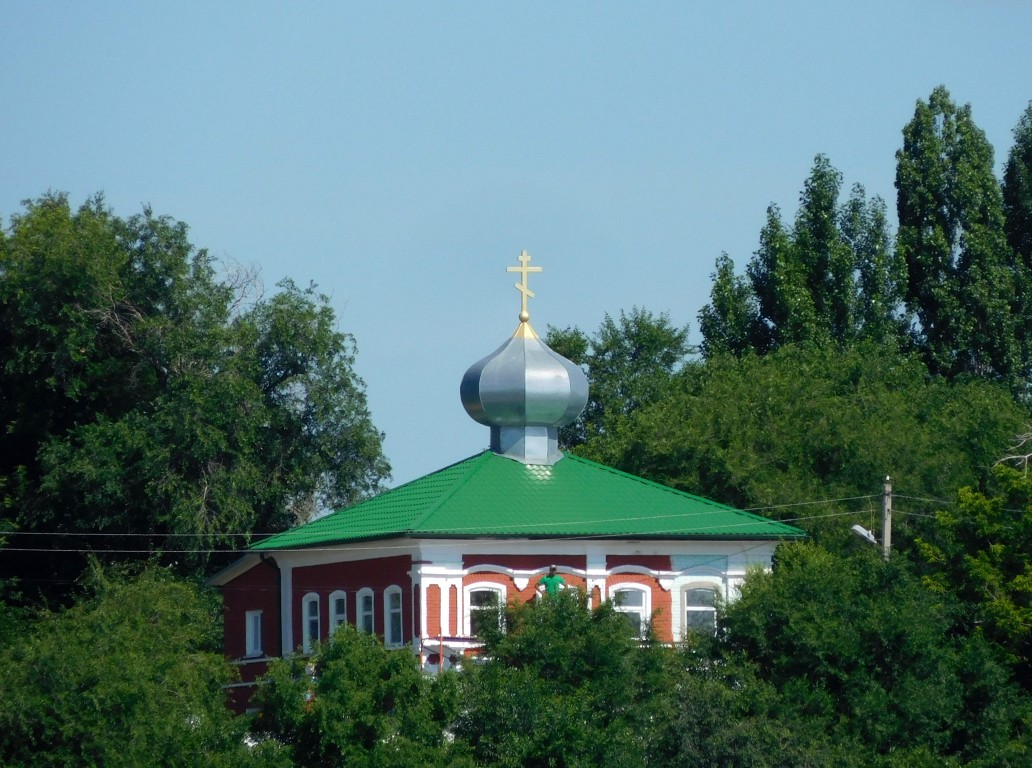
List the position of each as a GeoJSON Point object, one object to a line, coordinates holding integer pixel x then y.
{"type": "Point", "coordinates": [338, 609]}
{"type": "Point", "coordinates": [484, 603]}
{"type": "Point", "coordinates": [392, 624]}
{"type": "Point", "coordinates": [365, 612]}
{"type": "Point", "coordinates": [700, 610]}
{"type": "Point", "coordinates": [309, 621]}
{"type": "Point", "coordinates": [633, 601]}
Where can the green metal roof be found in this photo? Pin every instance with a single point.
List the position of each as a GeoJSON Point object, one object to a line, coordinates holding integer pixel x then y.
{"type": "Point", "coordinates": [492, 496]}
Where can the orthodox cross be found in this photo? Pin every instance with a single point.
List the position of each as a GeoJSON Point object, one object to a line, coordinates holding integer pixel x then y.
{"type": "Point", "coordinates": [524, 269]}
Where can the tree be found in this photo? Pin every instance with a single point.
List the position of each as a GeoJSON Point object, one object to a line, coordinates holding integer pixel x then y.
{"type": "Point", "coordinates": [859, 648]}
{"type": "Point", "coordinates": [132, 675]}
{"type": "Point", "coordinates": [961, 283]}
{"type": "Point", "coordinates": [628, 363]}
{"type": "Point", "coordinates": [980, 551]}
{"type": "Point", "coordinates": [1017, 209]}
{"type": "Point", "coordinates": [354, 703]}
{"type": "Point", "coordinates": [881, 276]}
{"type": "Point", "coordinates": [830, 278]}
{"type": "Point", "coordinates": [730, 323]}
{"type": "Point", "coordinates": [809, 423]}
{"type": "Point", "coordinates": [786, 309]}
{"type": "Point", "coordinates": [149, 402]}
{"type": "Point", "coordinates": [1017, 189]}
{"type": "Point", "coordinates": [826, 261]}
{"type": "Point", "coordinates": [565, 686]}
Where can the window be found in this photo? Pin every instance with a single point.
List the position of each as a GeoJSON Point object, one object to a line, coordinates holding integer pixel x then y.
{"type": "Point", "coordinates": [483, 607]}
{"type": "Point", "coordinates": [633, 603]}
{"type": "Point", "coordinates": [392, 634]}
{"type": "Point", "coordinates": [338, 610]}
{"type": "Point", "coordinates": [700, 612]}
{"type": "Point", "coordinates": [309, 621]}
{"type": "Point", "coordinates": [253, 633]}
{"type": "Point", "coordinates": [364, 619]}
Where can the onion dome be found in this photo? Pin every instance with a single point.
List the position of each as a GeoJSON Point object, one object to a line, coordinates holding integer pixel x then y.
{"type": "Point", "coordinates": [524, 391]}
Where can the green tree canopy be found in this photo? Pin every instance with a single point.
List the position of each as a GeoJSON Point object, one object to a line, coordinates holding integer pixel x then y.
{"type": "Point", "coordinates": [981, 552]}
{"type": "Point", "coordinates": [148, 401]}
{"type": "Point", "coordinates": [132, 675]}
{"type": "Point", "coordinates": [961, 285]}
{"type": "Point", "coordinates": [355, 703]}
{"type": "Point", "coordinates": [565, 686]}
{"type": "Point", "coordinates": [810, 423]}
{"type": "Point", "coordinates": [831, 277]}
{"type": "Point", "coordinates": [860, 648]}
{"type": "Point", "coordinates": [1017, 209]}
{"type": "Point", "coordinates": [628, 362]}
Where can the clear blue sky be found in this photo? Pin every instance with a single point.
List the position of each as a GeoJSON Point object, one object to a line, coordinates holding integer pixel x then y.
{"type": "Point", "coordinates": [402, 154]}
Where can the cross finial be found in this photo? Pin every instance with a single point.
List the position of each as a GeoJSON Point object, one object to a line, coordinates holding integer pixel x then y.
{"type": "Point", "coordinates": [524, 269]}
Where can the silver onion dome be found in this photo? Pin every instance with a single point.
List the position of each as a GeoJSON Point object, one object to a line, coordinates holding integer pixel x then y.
{"type": "Point", "coordinates": [524, 391]}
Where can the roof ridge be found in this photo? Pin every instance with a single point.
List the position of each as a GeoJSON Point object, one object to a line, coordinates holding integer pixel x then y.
{"type": "Point", "coordinates": [668, 489]}
{"type": "Point", "coordinates": [476, 461]}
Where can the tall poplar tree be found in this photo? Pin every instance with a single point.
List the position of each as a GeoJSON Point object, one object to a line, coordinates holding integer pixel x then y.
{"type": "Point", "coordinates": [961, 283]}
{"type": "Point", "coordinates": [1017, 208]}
{"type": "Point", "coordinates": [831, 277]}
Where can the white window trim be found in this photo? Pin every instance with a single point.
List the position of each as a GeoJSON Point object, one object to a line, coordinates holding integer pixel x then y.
{"type": "Point", "coordinates": [388, 615]}
{"type": "Point", "coordinates": [646, 604]}
{"type": "Point", "coordinates": [360, 614]}
{"type": "Point", "coordinates": [253, 640]}
{"type": "Point", "coordinates": [493, 586]}
{"type": "Point", "coordinates": [714, 588]}
{"type": "Point", "coordinates": [336, 619]}
{"type": "Point", "coordinates": [307, 641]}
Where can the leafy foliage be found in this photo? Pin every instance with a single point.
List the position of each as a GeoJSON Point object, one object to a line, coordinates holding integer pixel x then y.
{"type": "Point", "coordinates": [132, 675]}
{"type": "Point", "coordinates": [628, 363]}
{"type": "Point", "coordinates": [142, 396]}
{"type": "Point", "coordinates": [355, 703]}
{"type": "Point", "coordinates": [962, 285]}
{"type": "Point", "coordinates": [808, 423]}
{"type": "Point", "coordinates": [1017, 209]}
{"type": "Point", "coordinates": [564, 686]}
{"type": "Point", "coordinates": [831, 277]}
{"type": "Point", "coordinates": [860, 647]}
{"type": "Point", "coordinates": [981, 553]}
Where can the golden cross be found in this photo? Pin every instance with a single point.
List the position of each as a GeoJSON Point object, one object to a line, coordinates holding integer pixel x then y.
{"type": "Point", "coordinates": [524, 269]}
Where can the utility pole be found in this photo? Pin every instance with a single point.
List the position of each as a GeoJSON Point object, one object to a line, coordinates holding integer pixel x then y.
{"type": "Point", "coordinates": [886, 518]}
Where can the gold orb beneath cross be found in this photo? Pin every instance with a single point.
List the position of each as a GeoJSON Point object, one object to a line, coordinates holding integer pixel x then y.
{"type": "Point", "coordinates": [524, 316]}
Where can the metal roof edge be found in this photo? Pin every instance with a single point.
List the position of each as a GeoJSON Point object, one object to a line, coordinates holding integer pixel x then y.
{"type": "Point", "coordinates": [678, 492]}
{"type": "Point", "coordinates": [242, 564]}
{"type": "Point", "coordinates": [475, 460]}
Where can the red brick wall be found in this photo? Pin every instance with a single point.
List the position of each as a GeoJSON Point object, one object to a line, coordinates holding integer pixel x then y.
{"type": "Point", "coordinates": [375, 574]}
{"type": "Point", "coordinates": [660, 598]}
{"type": "Point", "coordinates": [257, 589]}
{"type": "Point", "coordinates": [433, 610]}
{"type": "Point", "coordinates": [453, 609]}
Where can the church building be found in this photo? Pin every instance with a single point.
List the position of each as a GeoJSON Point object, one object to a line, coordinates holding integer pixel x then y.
{"type": "Point", "coordinates": [423, 564]}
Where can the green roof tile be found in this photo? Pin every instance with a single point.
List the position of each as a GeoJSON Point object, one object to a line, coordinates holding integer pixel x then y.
{"type": "Point", "coordinates": [492, 496]}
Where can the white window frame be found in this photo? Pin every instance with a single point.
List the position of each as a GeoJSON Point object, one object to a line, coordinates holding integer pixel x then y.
{"type": "Point", "coordinates": [467, 601]}
{"type": "Point", "coordinates": [362, 616]}
{"type": "Point", "coordinates": [686, 629]}
{"type": "Point", "coordinates": [309, 638]}
{"type": "Point", "coordinates": [644, 611]}
{"type": "Point", "coordinates": [390, 613]}
{"type": "Point", "coordinates": [253, 634]}
{"type": "Point", "coordinates": [338, 617]}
